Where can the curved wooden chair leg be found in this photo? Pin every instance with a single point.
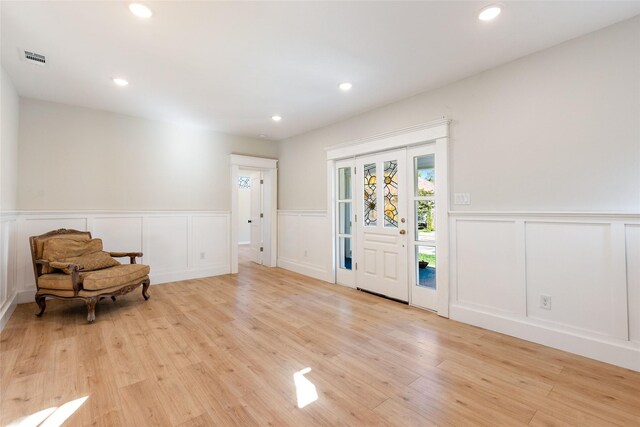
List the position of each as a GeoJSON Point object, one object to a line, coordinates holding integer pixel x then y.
{"type": "Point", "coordinates": [42, 303]}
{"type": "Point", "coordinates": [91, 309]}
{"type": "Point", "coordinates": [145, 288]}
{"type": "Point", "coordinates": [113, 298]}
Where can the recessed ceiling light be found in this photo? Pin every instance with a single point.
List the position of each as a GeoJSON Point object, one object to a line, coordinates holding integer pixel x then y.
{"type": "Point", "coordinates": [490, 12]}
{"type": "Point", "coordinates": [276, 118]}
{"type": "Point", "coordinates": [345, 86]}
{"type": "Point", "coordinates": [120, 81]}
{"type": "Point", "coordinates": [140, 10]}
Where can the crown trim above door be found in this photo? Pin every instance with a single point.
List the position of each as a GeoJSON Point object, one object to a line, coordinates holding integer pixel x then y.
{"type": "Point", "coordinates": [405, 137]}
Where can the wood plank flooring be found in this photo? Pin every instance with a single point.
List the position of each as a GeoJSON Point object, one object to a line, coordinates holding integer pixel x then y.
{"type": "Point", "coordinates": [224, 350]}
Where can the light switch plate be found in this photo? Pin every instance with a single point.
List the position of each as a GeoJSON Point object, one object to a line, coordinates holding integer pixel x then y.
{"type": "Point", "coordinates": [462, 199]}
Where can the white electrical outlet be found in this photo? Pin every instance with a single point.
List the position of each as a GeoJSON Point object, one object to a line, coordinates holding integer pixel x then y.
{"type": "Point", "coordinates": [201, 255]}
{"type": "Point", "coordinates": [545, 302]}
{"type": "Point", "coordinates": [462, 199]}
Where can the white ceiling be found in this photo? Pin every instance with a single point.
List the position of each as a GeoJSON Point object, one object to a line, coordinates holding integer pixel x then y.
{"type": "Point", "coordinates": [230, 66]}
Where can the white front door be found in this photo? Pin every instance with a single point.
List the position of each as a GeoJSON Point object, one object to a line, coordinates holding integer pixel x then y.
{"type": "Point", "coordinates": [381, 206]}
{"type": "Point", "coordinates": [256, 219]}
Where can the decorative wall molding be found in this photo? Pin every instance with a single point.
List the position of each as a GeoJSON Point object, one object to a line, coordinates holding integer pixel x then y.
{"type": "Point", "coordinates": [502, 262]}
{"type": "Point", "coordinates": [303, 244]}
{"type": "Point", "coordinates": [178, 245]}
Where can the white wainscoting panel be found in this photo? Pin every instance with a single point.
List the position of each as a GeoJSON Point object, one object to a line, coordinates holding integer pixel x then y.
{"type": "Point", "coordinates": [122, 234]}
{"type": "Point", "coordinates": [571, 263]}
{"type": "Point", "coordinates": [588, 263]}
{"type": "Point", "coordinates": [167, 243]}
{"type": "Point", "coordinates": [210, 241]}
{"type": "Point", "coordinates": [303, 243]}
{"type": "Point", "coordinates": [177, 245]}
{"type": "Point", "coordinates": [633, 279]}
{"type": "Point", "coordinates": [486, 253]}
{"type": "Point", "coordinates": [8, 267]}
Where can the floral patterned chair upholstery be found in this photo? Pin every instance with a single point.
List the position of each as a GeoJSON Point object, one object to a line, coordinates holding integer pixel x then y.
{"type": "Point", "coordinates": [69, 264]}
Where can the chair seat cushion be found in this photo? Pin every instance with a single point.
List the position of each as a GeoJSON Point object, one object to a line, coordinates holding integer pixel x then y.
{"type": "Point", "coordinates": [58, 281]}
{"type": "Point", "coordinates": [114, 276]}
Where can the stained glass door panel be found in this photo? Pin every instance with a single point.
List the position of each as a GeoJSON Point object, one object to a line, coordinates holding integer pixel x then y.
{"type": "Point", "coordinates": [382, 226]}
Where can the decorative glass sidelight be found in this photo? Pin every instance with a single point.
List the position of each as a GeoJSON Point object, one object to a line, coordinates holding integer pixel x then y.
{"type": "Point", "coordinates": [370, 195]}
{"type": "Point", "coordinates": [391, 193]}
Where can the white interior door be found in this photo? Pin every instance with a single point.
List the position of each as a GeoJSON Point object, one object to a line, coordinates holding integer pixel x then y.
{"type": "Point", "coordinates": [381, 207]}
{"type": "Point", "coordinates": [256, 218]}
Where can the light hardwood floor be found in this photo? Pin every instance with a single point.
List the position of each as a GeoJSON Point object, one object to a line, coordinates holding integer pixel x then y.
{"type": "Point", "coordinates": [224, 350]}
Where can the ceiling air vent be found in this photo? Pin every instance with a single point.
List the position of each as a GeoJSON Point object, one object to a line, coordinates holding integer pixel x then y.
{"type": "Point", "coordinates": [35, 57]}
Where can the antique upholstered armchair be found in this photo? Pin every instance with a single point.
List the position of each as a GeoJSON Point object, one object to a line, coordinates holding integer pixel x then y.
{"type": "Point", "coordinates": [69, 264]}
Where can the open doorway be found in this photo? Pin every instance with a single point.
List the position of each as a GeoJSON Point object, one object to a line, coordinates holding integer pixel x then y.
{"type": "Point", "coordinates": [254, 184]}
{"type": "Point", "coordinates": [250, 216]}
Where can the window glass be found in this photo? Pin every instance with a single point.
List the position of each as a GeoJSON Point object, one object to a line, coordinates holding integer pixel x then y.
{"type": "Point", "coordinates": [425, 215]}
{"type": "Point", "coordinates": [426, 266]}
{"type": "Point", "coordinates": [425, 178]}
{"type": "Point", "coordinates": [344, 219]}
{"type": "Point", "coordinates": [344, 183]}
{"type": "Point", "coordinates": [345, 253]}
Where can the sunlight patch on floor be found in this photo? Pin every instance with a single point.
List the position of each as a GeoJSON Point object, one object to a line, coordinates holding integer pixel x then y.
{"type": "Point", "coordinates": [50, 417]}
{"type": "Point", "coordinates": [305, 390]}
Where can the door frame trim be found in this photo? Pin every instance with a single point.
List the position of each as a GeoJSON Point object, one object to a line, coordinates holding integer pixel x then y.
{"type": "Point", "coordinates": [432, 131]}
{"type": "Point", "coordinates": [269, 170]}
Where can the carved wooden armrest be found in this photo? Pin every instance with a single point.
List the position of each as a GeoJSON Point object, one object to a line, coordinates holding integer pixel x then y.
{"type": "Point", "coordinates": [132, 255]}
{"type": "Point", "coordinates": [41, 263]}
{"type": "Point", "coordinates": [73, 269]}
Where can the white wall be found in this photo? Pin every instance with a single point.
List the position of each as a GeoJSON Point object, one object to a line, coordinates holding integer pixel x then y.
{"type": "Point", "coordinates": [74, 158]}
{"type": "Point", "coordinates": [9, 118]}
{"type": "Point", "coordinates": [9, 114]}
{"type": "Point", "coordinates": [554, 131]}
{"type": "Point", "coordinates": [555, 137]}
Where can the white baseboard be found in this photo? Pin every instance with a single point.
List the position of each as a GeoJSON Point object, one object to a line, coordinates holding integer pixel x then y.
{"type": "Point", "coordinates": [26, 296]}
{"type": "Point", "coordinates": [175, 276]}
{"type": "Point", "coordinates": [622, 353]}
{"type": "Point", "coordinates": [307, 270]}
{"type": "Point", "coordinates": [8, 311]}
